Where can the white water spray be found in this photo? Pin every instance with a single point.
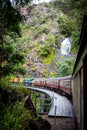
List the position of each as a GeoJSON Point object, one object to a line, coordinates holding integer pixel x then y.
{"type": "Point", "coordinates": [66, 46]}
{"type": "Point", "coordinates": [40, 1]}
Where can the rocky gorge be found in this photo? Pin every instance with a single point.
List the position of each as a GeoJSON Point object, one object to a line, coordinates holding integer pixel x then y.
{"type": "Point", "coordinates": [41, 39]}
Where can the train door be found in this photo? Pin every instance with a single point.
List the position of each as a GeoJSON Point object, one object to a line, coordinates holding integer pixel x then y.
{"type": "Point", "coordinates": [85, 90]}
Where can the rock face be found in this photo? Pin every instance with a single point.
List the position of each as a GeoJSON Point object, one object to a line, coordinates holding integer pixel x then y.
{"type": "Point", "coordinates": [41, 29]}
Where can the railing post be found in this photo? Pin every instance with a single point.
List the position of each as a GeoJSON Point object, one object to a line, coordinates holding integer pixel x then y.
{"type": "Point", "coordinates": [55, 114]}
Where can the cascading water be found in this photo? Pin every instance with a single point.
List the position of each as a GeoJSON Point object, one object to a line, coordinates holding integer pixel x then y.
{"type": "Point", "coordinates": [40, 1]}
{"type": "Point", "coordinates": [66, 46]}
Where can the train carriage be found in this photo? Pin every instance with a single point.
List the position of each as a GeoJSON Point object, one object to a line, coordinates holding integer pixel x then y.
{"type": "Point", "coordinates": [55, 84]}
{"type": "Point", "coordinates": [79, 80]}
{"type": "Point", "coordinates": [65, 85]}
{"type": "Point", "coordinates": [40, 82]}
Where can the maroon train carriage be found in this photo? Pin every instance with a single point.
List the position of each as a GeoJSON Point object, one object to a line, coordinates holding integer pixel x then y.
{"type": "Point", "coordinates": [40, 82]}
{"type": "Point", "coordinates": [53, 83]}
{"type": "Point", "coordinates": [65, 85]}
{"type": "Point", "coordinates": [62, 83]}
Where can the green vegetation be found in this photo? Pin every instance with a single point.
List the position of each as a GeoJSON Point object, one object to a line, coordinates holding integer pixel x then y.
{"type": "Point", "coordinates": [58, 38]}
{"type": "Point", "coordinates": [49, 58]}
{"type": "Point", "coordinates": [10, 59]}
{"type": "Point", "coordinates": [74, 11]}
{"type": "Point", "coordinates": [12, 110]}
{"type": "Point", "coordinates": [65, 67]}
{"type": "Point", "coordinates": [16, 108]}
{"type": "Point", "coordinates": [67, 25]}
{"type": "Point", "coordinates": [45, 51]}
{"type": "Point", "coordinates": [14, 116]}
{"type": "Point", "coordinates": [50, 40]}
{"type": "Point", "coordinates": [43, 29]}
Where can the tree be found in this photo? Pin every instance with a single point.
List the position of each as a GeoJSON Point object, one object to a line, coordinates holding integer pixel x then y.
{"type": "Point", "coordinates": [10, 19]}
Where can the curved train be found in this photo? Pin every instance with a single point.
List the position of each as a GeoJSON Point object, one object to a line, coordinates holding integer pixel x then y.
{"type": "Point", "coordinates": [61, 85]}
{"type": "Point", "coordinates": [56, 84]}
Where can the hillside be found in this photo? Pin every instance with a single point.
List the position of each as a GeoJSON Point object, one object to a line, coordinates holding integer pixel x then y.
{"type": "Point", "coordinates": [42, 34]}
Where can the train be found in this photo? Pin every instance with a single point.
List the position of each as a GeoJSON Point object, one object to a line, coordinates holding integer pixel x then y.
{"type": "Point", "coordinates": [79, 80]}
{"type": "Point", "coordinates": [61, 84]}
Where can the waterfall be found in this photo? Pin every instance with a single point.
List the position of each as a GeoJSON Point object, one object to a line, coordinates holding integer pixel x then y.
{"type": "Point", "coordinates": [66, 46]}
{"type": "Point", "coordinates": [40, 1]}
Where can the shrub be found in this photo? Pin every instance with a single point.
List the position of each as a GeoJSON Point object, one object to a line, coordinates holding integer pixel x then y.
{"type": "Point", "coordinates": [65, 67]}
{"type": "Point", "coordinates": [42, 19]}
{"type": "Point", "coordinates": [43, 29]}
{"type": "Point", "coordinates": [50, 40]}
{"type": "Point", "coordinates": [58, 39]}
{"type": "Point", "coordinates": [14, 116]}
{"type": "Point", "coordinates": [45, 50]}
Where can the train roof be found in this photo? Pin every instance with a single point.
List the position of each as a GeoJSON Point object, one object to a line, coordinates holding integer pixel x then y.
{"type": "Point", "coordinates": [40, 78]}
{"type": "Point", "coordinates": [61, 78]}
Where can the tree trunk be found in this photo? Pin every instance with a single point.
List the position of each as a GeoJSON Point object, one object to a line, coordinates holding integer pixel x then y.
{"type": "Point", "coordinates": [2, 49]}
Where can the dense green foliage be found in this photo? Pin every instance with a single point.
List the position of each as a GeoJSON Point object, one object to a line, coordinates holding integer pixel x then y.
{"type": "Point", "coordinates": [11, 59]}
{"type": "Point", "coordinates": [16, 108]}
{"type": "Point", "coordinates": [65, 67]}
{"type": "Point", "coordinates": [45, 50]}
{"type": "Point", "coordinates": [67, 25]}
{"type": "Point", "coordinates": [12, 110]}
{"type": "Point", "coordinates": [14, 115]}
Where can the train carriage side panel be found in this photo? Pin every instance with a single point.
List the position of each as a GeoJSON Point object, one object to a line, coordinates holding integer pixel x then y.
{"type": "Point", "coordinates": [65, 85]}
{"type": "Point", "coordinates": [40, 82]}
{"type": "Point", "coordinates": [53, 83]}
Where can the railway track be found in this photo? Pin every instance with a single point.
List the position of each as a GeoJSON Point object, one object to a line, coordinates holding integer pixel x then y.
{"type": "Point", "coordinates": [61, 123]}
